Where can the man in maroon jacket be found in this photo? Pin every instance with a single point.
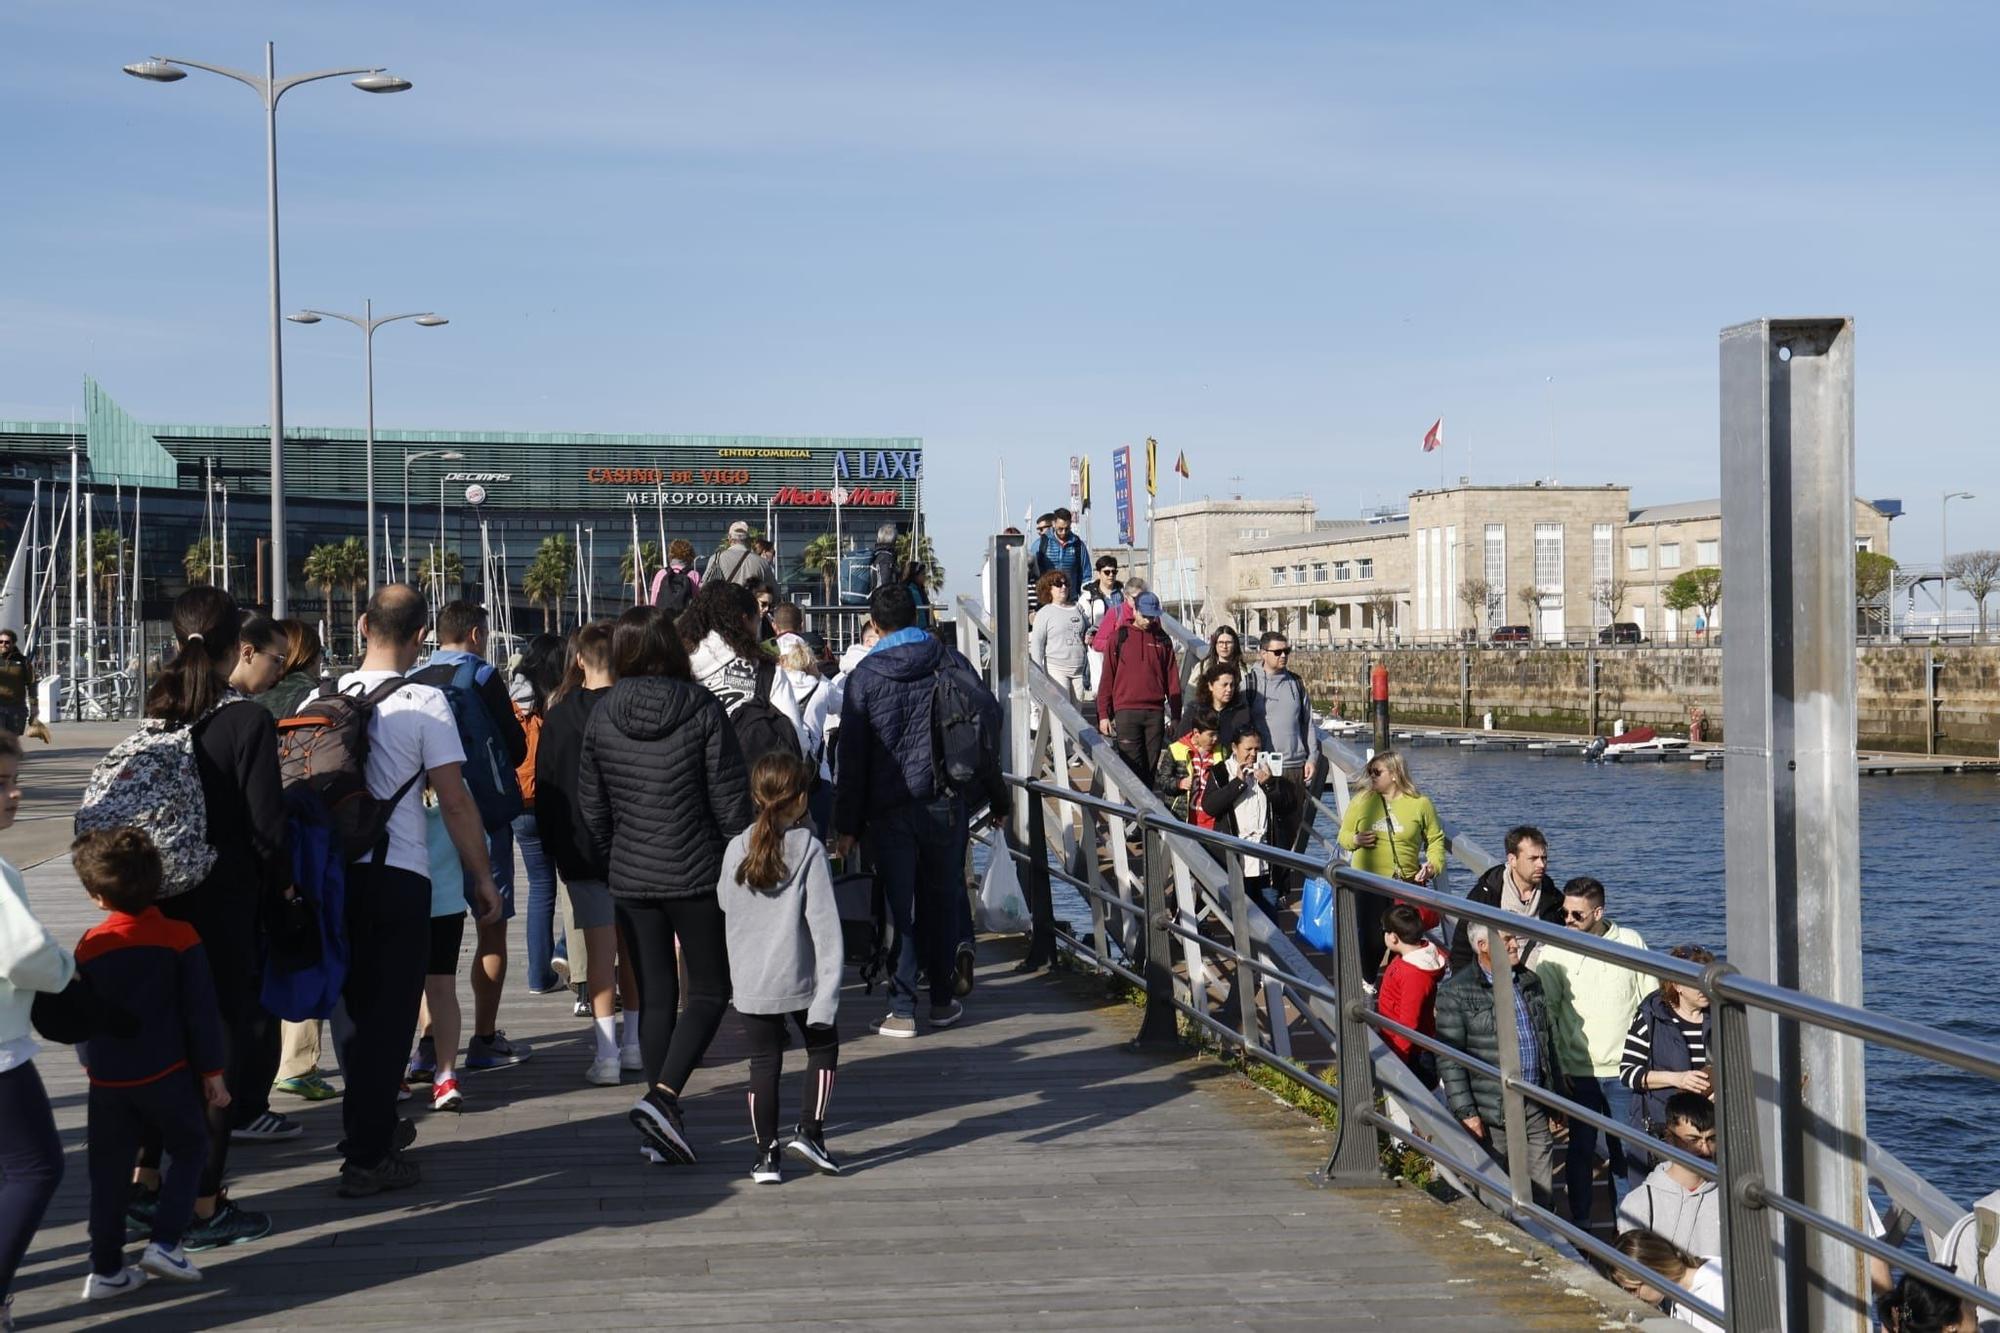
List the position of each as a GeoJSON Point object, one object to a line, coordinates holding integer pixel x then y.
{"type": "Point", "coordinates": [1141, 687]}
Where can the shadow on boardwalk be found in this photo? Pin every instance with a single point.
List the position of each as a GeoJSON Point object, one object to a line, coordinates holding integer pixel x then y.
{"type": "Point", "coordinates": [1024, 1169]}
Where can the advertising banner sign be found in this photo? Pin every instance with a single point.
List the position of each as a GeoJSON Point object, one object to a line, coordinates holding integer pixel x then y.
{"type": "Point", "coordinates": [1121, 490]}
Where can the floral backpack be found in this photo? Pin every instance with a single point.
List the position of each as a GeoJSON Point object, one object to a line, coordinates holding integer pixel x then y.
{"type": "Point", "coordinates": [144, 783]}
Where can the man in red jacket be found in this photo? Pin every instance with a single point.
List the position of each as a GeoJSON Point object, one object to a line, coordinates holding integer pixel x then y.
{"type": "Point", "coordinates": [1141, 687]}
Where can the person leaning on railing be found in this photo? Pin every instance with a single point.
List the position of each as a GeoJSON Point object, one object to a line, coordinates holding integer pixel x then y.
{"type": "Point", "coordinates": [1699, 1275]}
{"type": "Point", "coordinates": [1392, 830]}
{"type": "Point", "coordinates": [1666, 1049]}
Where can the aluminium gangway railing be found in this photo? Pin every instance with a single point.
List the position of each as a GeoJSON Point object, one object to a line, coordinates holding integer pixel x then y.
{"type": "Point", "coordinates": [1187, 875]}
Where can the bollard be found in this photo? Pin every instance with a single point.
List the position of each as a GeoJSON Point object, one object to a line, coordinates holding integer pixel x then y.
{"type": "Point", "coordinates": [1378, 686]}
{"type": "Point", "coordinates": [1160, 1030]}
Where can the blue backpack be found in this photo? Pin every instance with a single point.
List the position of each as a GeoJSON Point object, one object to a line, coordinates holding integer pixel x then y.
{"type": "Point", "coordinates": [489, 775]}
{"type": "Point", "coordinates": [319, 870]}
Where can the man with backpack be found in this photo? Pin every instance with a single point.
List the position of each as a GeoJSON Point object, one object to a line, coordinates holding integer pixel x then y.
{"type": "Point", "coordinates": [674, 586]}
{"type": "Point", "coordinates": [1061, 550]}
{"type": "Point", "coordinates": [918, 746]}
{"type": "Point", "coordinates": [495, 747]}
{"type": "Point", "coordinates": [411, 738]}
{"type": "Point", "coordinates": [736, 562]}
{"type": "Point", "coordinates": [1141, 688]}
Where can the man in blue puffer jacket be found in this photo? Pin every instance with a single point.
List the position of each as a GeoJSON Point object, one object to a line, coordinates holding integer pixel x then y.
{"type": "Point", "coordinates": [889, 792]}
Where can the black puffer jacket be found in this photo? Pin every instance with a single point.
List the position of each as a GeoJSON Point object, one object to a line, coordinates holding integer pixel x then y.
{"type": "Point", "coordinates": [662, 787]}
{"type": "Point", "coordinates": [1465, 1020]}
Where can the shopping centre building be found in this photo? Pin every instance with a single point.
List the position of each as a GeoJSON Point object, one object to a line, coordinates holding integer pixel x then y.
{"type": "Point", "coordinates": [1450, 564]}
{"type": "Point", "coordinates": [595, 489]}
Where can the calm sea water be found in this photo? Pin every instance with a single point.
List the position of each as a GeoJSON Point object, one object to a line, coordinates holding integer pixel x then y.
{"type": "Point", "coordinates": [1930, 872]}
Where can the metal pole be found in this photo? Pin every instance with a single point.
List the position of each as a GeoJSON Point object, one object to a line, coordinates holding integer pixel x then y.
{"type": "Point", "coordinates": [279, 581]}
{"type": "Point", "coordinates": [1159, 1030]}
{"type": "Point", "coordinates": [368, 356]}
{"type": "Point", "coordinates": [75, 664]}
{"type": "Point", "coordinates": [407, 456]}
{"type": "Point", "coordinates": [441, 557]}
{"type": "Point", "coordinates": [1790, 827]}
{"type": "Point", "coordinates": [1356, 1152]}
{"type": "Point", "coordinates": [1944, 557]}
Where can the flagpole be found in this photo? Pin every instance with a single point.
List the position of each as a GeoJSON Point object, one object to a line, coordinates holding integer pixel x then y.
{"type": "Point", "coordinates": [1180, 574]}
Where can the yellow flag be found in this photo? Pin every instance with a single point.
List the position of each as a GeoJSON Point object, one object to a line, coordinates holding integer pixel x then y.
{"type": "Point", "coordinates": [1152, 466]}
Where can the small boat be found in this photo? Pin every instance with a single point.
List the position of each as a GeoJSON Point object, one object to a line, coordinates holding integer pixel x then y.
{"type": "Point", "coordinates": [1639, 740]}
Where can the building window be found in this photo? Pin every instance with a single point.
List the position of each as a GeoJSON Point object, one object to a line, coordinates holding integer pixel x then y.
{"type": "Point", "coordinates": [1364, 569]}
{"type": "Point", "coordinates": [1638, 557]}
{"type": "Point", "coordinates": [1252, 534]}
{"type": "Point", "coordinates": [1708, 553]}
{"type": "Point", "coordinates": [1600, 570]}
{"type": "Point", "coordinates": [1342, 571]}
{"type": "Point", "coordinates": [1277, 576]}
{"type": "Point", "coordinates": [1670, 555]}
{"type": "Point", "coordinates": [1298, 573]}
{"type": "Point", "coordinates": [1496, 572]}
{"type": "Point", "coordinates": [1864, 543]}
{"type": "Point", "coordinates": [1549, 579]}
{"type": "Point", "coordinates": [1319, 571]}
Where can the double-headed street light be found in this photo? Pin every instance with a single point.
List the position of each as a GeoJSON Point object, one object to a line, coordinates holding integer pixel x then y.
{"type": "Point", "coordinates": [368, 323]}
{"type": "Point", "coordinates": [447, 455]}
{"type": "Point", "coordinates": [269, 88]}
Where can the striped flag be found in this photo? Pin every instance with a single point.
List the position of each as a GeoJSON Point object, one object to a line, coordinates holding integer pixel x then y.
{"type": "Point", "coordinates": [1434, 436]}
{"type": "Point", "coordinates": [1152, 466]}
{"type": "Point", "coordinates": [1180, 464]}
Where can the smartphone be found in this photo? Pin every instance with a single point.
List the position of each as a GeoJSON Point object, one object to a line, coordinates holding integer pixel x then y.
{"type": "Point", "coordinates": [1273, 762]}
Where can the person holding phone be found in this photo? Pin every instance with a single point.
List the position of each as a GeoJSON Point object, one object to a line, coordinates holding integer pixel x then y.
{"type": "Point", "coordinates": [1390, 829]}
{"type": "Point", "coordinates": [1238, 800]}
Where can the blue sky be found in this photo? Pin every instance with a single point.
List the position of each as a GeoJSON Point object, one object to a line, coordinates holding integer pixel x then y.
{"type": "Point", "coordinates": [1283, 238]}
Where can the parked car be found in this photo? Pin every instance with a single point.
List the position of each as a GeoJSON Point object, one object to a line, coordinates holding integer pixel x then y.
{"type": "Point", "coordinates": [1511, 634]}
{"type": "Point", "coordinates": [1623, 631]}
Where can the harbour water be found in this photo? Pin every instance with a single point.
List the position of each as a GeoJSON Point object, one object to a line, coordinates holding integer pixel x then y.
{"type": "Point", "coordinates": [1930, 868]}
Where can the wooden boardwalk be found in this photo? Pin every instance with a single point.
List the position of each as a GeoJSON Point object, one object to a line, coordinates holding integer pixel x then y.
{"type": "Point", "coordinates": [1024, 1170]}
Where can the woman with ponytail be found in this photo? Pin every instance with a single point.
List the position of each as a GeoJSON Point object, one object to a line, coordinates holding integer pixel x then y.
{"type": "Point", "coordinates": [785, 956]}
{"type": "Point", "coordinates": [236, 753]}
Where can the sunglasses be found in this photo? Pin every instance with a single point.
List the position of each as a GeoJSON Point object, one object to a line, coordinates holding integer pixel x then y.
{"type": "Point", "coordinates": [1575, 916]}
{"type": "Point", "coordinates": [1376, 772]}
{"type": "Point", "coordinates": [1279, 652]}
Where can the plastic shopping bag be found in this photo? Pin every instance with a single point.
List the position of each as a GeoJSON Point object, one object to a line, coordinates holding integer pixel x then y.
{"type": "Point", "coordinates": [1003, 908]}
{"type": "Point", "coordinates": [1316, 915]}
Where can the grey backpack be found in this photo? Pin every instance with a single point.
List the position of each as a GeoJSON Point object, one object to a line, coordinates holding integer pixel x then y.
{"type": "Point", "coordinates": [149, 781]}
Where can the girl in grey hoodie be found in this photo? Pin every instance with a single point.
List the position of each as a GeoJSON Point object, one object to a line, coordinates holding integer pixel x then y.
{"type": "Point", "coordinates": [785, 957]}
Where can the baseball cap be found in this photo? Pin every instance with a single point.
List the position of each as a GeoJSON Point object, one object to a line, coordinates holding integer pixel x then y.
{"type": "Point", "coordinates": [1148, 604]}
{"type": "Point", "coordinates": [739, 529]}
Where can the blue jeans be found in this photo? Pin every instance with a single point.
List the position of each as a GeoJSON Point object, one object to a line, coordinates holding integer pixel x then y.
{"type": "Point", "coordinates": [1609, 1098]}
{"type": "Point", "coordinates": [541, 919]}
{"type": "Point", "coordinates": [919, 857]}
{"type": "Point", "coordinates": [31, 1165]}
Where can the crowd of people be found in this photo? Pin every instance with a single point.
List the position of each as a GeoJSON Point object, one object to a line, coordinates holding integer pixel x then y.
{"type": "Point", "coordinates": [672, 780]}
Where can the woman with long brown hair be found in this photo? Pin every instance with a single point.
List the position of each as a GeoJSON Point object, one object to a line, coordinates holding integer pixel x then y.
{"type": "Point", "coordinates": [661, 790]}
{"type": "Point", "coordinates": [1696, 1274]}
{"type": "Point", "coordinates": [785, 957]}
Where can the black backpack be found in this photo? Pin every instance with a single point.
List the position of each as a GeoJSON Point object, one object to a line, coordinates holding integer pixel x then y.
{"type": "Point", "coordinates": [760, 727]}
{"type": "Point", "coordinates": [965, 735]}
{"type": "Point", "coordinates": [672, 590]}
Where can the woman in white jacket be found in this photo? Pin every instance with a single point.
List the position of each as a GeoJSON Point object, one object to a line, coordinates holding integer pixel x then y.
{"type": "Point", "coordinates": [31, 1158]}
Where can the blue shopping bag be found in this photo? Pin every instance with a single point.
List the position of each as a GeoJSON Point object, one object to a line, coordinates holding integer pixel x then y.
{"type": "Point", "coordinates": [1316, 915]}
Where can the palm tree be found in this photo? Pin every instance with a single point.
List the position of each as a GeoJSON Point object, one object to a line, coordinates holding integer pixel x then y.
{"type": "Point", "coordinates": [199, 562]}
{"type": "Point", "coordinates": [933, 571]}
{"type": "Point", "coordinates": [548, 574]}
{"type": "Point", "coordinates": [453, 565]}
{"type": "Point", "coordinates": [649, 556]}
{"type": "Point", "coordinates": [352, 564]}
{"type": "Point", "coordinates": [102, 562]}
{"type": "Point", "coordinates": [322, 569]}
{"type": "Point", "coordinates": [822, 557]}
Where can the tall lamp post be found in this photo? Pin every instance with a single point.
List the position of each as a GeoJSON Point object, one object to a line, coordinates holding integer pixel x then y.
{"type": "Point", "coordinates": [1944, 556]}
{"type": "Point", "coordinates": [269, 88]}
{"type": "Point", "coordinates": [448, 455]}
{"type": "Point", "coordinates": [368, 323]}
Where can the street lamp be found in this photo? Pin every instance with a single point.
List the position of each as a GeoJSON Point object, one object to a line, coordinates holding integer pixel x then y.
{"type": "Point", "coordinates": [367, 323]}
{"type": "Point", "coordinates": [269, 88]}
{"type": "Point", "coordinates": [1944, 556]}
{"type": "Point", "coordinates": [408, 458]}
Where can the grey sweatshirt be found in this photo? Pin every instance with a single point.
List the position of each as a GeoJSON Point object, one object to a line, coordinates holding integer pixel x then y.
{"type": "Point", "coordinates": [1057, 640]}
{"type": "Point", "coordinates": [785, 946]}
{"type": "Point", "coordinates": [1283, 717]}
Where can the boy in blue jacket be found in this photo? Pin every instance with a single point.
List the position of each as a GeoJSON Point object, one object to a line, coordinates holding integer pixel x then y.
{"type": "Point", "coordinates": [153, 967]}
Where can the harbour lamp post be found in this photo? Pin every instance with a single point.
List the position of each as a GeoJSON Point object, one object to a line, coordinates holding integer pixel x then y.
{"type": "Point", "coordinates": [1944, 557]}
{"type": "Point", "coordinates": [447, 455]}
{"type": "Point", "coordinates": [368, 323]}
{"type": "Point", "coordinates": [269, 88]}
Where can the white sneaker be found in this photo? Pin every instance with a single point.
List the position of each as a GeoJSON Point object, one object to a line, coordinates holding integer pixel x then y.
{"type": "Point", "coordinates": [171, 1264]}
{"type": "Point", "coordinates": [630, 1058]}
{"type": "Point", "coordinates": [98, 1287]}
{"type": "Point", "coordinates": [605, 1073]}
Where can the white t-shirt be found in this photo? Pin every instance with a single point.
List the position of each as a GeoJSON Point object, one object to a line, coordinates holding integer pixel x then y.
{"type": "Point", "coordinates": [1705, 1282]}
{"type": "Point", "coordinates": [412, 732]}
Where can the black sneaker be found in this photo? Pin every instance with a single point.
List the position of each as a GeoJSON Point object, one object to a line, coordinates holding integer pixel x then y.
{"type": "Point", "coordinates": [139, 1210]}
{"type": "Point", "coordinates": [961, 978]}
{"type": "Point", "coordinates": [394, 1172]}
{"type": "Point", "coordinates": [658, 1117]}
{"type": "Point", "coordinates": [767, 1171]}
{"type": "Point", "coordinates": [270, 1127]}
{"type": "Point", "coordinates": [809, 1143]}
{"type": "Point", "coordinates": [230, 1225]}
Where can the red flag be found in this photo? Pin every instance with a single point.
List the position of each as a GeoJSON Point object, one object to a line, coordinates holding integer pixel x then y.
{"type": "Point", "coordinates": [1434, 436]}
{"type": "Point", "coordinates": [1180, 464]}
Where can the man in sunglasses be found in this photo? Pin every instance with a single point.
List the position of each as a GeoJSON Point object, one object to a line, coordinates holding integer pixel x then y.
{"type": "Point", "coordinates": [1283, 718]}
{"type": "Point", "coordinates": [1591, 1003]}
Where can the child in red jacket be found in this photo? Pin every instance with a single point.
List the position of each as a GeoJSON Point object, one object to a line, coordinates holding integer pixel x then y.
{"type": "Point", "coordinates": [1409, 986]}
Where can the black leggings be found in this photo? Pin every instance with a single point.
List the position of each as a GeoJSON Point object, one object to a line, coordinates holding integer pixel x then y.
{"type": "Point", "coordinates": [672, 1044]}
{"type": "Point", "coordinates": [767, 1053]}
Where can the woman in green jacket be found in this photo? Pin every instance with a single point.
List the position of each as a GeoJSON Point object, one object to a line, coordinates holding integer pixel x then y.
{"type": "Point", "coordinates": [1390, 829]}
